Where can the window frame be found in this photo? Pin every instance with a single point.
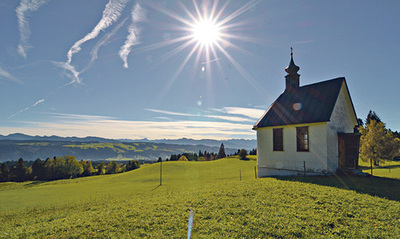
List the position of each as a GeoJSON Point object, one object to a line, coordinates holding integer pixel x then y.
{"type": "Point", "coordinates": [303, 139]}
{"type": "Point", "coordinates": [277, 139]}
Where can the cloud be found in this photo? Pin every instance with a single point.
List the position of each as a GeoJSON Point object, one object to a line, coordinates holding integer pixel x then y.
{"type": "Point", "coordinates": [7, 75]}
{"type": "Point", "coordinates": [104, 40]}
{"type": "Point", "coordinates": [27, 108]}
{"type": "Point", "coordinates": [26, 8]}
{"type": "Point", "coordinates": [85, 125]}
{"type": "Point", "coordinates": [229, 118]}
{"type": "Point", "coordinates": [111, 14]}
{"type": "Point", "coordinates": [170, 113]}
{"type": "Point", "coordinates": [137, 15]}
{"type": "Point", "coordinates": [248, 112]}
{"type": "Point", "coordinates": [80, 117]}
{"type": "Point", "coordinates": [74, 76]}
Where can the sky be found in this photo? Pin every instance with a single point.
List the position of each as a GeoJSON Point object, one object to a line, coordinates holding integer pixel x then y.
{"type": "Point", "coordinates": [127, 69]}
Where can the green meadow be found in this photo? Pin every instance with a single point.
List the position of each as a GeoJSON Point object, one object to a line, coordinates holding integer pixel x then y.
{"type": "Point", "coordinates": [385, 169]}
{"type": "Point", "coordinates": [227, 201]}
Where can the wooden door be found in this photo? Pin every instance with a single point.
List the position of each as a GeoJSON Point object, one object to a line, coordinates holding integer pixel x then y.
{"type": "Point", "coordinates": [348, 150]}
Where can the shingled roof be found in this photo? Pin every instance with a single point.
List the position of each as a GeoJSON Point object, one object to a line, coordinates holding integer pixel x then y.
{"type": "Point", "coordinates": [307, 104]}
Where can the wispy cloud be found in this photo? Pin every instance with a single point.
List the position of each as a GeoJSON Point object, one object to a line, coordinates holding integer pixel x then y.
{"type": "Point", "coordinates": [111, 14]}
{"type": "Point", "coordinates": [248, 112]}
{"type": "Point", "coordinates": [73, 75]}
{"type": "Point", "coordinates": [137, 15]}
{"type": "Point", "coordinates": [104, 40]}
{"type": "Point", "coordinates": [229, 118]}
{"type": "Point", "coordinates": [80, 117]}
{"type": "Point", "coordinates": [230, 114]}
{"type": "Point", "coordinates": [170, 112]}
{"type": "Point", "coordinates": [6, 75]}
{"type": "Point", "coordinates": [26, 8]}
{"type": "Point", "coordinates": [27, 108]}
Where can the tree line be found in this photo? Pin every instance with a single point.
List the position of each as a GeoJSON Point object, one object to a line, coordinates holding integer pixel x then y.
{"type": "Point", "coordinates": [60, 168]}
{"type": "Point", "coordinates": [377, 143]}
{"type": "Point", "coordinates": [208, 156]}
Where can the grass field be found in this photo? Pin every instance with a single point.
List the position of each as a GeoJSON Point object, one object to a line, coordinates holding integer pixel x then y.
{"type": "Point", "coordinates": [132, 205]}
{"type": "Point", "coordinates": [387, 169]}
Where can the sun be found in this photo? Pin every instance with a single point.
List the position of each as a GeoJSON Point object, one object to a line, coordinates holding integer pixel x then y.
{"type": "Point", "coordinates": [206, 32]}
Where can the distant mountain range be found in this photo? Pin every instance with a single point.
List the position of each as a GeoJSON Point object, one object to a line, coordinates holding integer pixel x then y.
{"type": "Point", "coordinates": [28, 147]}
{"type": "Point", "coordinates": [230, 143]}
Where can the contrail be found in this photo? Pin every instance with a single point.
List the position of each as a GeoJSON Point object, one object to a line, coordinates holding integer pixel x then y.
{"type": "Point", "coordinates": [103, 41]}
{"type": "Point", "coordinates": [132, 39]}
{"type": "Point", "coordinates": [216, 59]}
{"type": "Point", "coordinates": [75, 74]}
{"type": "Point", "coordinates": [4, 73]}
{"type": "Point", "coordinates": [110, 14]}
{"type": "Point", "coordinates": [27, 108]}
{"type": "Point", "coordinates": [26, 8]}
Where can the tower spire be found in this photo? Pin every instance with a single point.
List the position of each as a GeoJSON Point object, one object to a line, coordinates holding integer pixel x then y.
{"type": "Point", "coordinates": [292, 77]}
{"type": "Point", "coordinates": [292, 68]}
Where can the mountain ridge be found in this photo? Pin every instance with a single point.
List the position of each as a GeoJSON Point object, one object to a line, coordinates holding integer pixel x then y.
{"type": "Point", "coordinates": [230, 143]}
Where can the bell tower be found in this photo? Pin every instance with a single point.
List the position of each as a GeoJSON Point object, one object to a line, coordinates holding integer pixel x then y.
{"type": "Point", "coordinates": [292, 77]}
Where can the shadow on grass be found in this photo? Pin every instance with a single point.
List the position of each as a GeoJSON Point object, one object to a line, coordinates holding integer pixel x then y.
{"type": "Point", "coordinates": [377, 167]}
{"type": "Point", "coordinates": [35, 183]}
{"type": "Point", "coordinates": [156, 187]}
{"type": "Point", "coordinates": [376, 186]}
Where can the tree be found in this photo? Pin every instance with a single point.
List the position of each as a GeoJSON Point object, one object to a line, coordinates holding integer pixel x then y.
{"type": "Point", "coordinates": [20, 173]}
{"type": "Point", "coordinates": [253, 152]}
{"type": "Point", "coordinates": [201, 159]}
{"type": "Point", "coordinates": [4, 172]}
{"type": "Point", "coordinates": [221, 153]}
{"type": "Point", "coordinates": [133, 164]}
{"type": "Point", "coordinates": [183, 158]}
{"type": "Point", "coordinates": [88, 169]}
{"type": "Point", "coordinates": [372, 116]}
{"type": "Point", "coordinates": [243, 154]}
{"type": "Point", "coordinates": [377, 143]}
{"type": "Point", "coordinates": [112, 167]}
{"type": "Point", "coordinates": [360, 122]}
{"type": "Point", "coordinates": [54, 168]}
{"type": "Point", "coordinates": [72, 168]}
{"type": "Point", "coordinates": [101, 168]}
{"type": "Point", "coordinates": [38, 170]}
{"type": "Point", "coordinates": [159, 160]}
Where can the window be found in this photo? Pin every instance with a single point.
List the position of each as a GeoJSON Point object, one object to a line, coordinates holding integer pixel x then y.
{"type": "Point", "coordinates": [278, 139]}
{"type": "Point", "coordinates": [302, 139]}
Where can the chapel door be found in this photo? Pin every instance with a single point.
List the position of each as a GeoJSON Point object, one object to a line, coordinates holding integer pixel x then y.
{"type": "Point", "coordinates": [348, 150]}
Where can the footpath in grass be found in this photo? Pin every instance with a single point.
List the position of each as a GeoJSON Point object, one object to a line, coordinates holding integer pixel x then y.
{"type": "Point", "coordinates": [132, 205]}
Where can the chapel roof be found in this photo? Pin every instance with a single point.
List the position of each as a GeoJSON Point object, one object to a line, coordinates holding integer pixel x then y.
{"type": "Point", "coordinates": [306, 104]}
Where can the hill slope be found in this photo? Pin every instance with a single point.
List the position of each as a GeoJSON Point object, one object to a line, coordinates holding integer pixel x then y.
{"type": "Point", "coordinates": [132, 205]}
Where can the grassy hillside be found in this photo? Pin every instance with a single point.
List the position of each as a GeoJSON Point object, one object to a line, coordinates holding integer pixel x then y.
{"type": "Point", "coordinates": [132, 204]}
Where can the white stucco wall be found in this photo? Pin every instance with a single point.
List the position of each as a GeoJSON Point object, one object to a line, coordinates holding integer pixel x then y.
{"type": "Point", "coordinates": [343, 120]}
{"type": "Point", "coordinates": [290, 161]}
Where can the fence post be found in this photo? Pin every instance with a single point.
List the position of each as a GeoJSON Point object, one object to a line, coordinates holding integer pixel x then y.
{"type": "Point", "coordinates": [255, 172]}
{"type": "Point", "coordinates": [304, 165]}
{"type": "Point", "coordinates": [161, 172]}
{"type": "Point", "coordinates": [240, 174]}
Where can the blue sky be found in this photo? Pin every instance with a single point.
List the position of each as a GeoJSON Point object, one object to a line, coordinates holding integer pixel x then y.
{"type": "Point", "coordinates": [135, 69]}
